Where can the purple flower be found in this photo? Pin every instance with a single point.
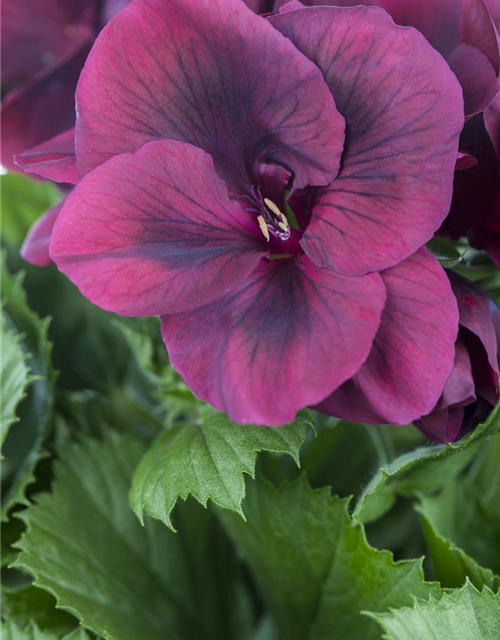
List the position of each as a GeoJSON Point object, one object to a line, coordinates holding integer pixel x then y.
{"type": "Point", "coordinates": [472, 388]}
{"type": "Point", "coordinates": [44, 46]}
{"type": "Point", "coordinates": [266, 186]}
{"type": "Point", "coordinates": [465, 32]}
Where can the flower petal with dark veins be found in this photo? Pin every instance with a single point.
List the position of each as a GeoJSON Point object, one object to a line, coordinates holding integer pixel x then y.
{"type": "Point", "coordinates": [54, 159]}
{"type": "Point", "coordinates": [404, 112]}
{"type": "Point", "coordinates": [413, 353]}
{"type": "Point", "coordinates": [214, 75]}
{"type": "Point", "coordinates": [154, 232]}
{"type": "Point", "coordinates": [283, 341]}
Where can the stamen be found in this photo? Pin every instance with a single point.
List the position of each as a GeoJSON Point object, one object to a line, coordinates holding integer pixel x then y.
{"type": "Point", "coordinates": [270, 204]}
{"type": "Point", "coordinates": [283, 226]}
{"type": "Point", "coordinates": [263, 228]}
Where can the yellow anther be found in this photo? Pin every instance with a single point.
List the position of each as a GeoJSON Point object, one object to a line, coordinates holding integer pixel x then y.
{"type": "Point", "coordinates": [283, 226]}
{"type": "Point", "coordinates": [284, 220]}
{"type": "Point", "coordinates": [270, 204]}
{"type": "Point", "coordinates": [263, 228]}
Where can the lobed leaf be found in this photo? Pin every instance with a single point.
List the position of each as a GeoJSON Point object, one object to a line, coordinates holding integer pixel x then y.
{"type": "Point", "coordinates": [208, 460]}
{"type": "Point", "coordinates": [11, 631]}
{"type": "Point", "coordinates": [462, 524]}
{"type": "Point", "coordinates": [424, 469]}
{"type": "Point", "coordinates": [465, 614]}
{"type": "Point", "coordinates": [314, 565]}
{"type": "Point", "coordinates": [23, 448]}
{"type": "Point", "coordinates": [14, 377]}
{"type": "Point", "coordinates": [122, 580]}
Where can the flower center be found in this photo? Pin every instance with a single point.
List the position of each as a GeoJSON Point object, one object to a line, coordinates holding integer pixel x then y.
{"type": "Point", "coordinates": [272, 221]}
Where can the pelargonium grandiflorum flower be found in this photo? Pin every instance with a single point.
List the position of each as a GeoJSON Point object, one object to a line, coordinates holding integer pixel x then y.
{"type": "Point", "coordinates": [44, 46]}
{"type": "Point", "coordinates": [266, 185]}
{"type": "Point", "coordinates": [472, 388]}
{"type": "Point", "coordinates": [465, 32]}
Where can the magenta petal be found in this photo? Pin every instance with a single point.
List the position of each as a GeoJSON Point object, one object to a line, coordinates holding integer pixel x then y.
{"type": "Point", "coordinates": [492, 124]}
{"type": "Point", "coordinates": [404, 113]}
{"type": "Point", "coordinates": [413, 353]}
{"type": "Point", "coordinates": [465, 161]}
{"type": "Point", "coordinates": [282, 342]}
{"type": "Point", "coordinates": [53, 159]}
{"type": "Point", "coordinates": [438, 20]}
{"type": "Point", "coordinates": [459, 389]}
{"type": "Point", "coordinates": [40, 109]}
{"type": "Point", "coordinates": [213, 75]}
{"type": "Point", "coordinates": [480, 315]}
{"type": "Point", "coordinates": [110, 9]}
{"type": "Point", "coordinates": [476, 75]}
{"type": "Point", "coordinates": [478, 30]}
{"type": "Point", "coordinates": [35, 249]}
{"type": "Point", "coordinates": [444, 425]}
{"type": "Point", "coordinates": [39, 33]}
{"type": "Point", "coordinates": [260, 6]}
{"type": "Point", "coordinates": [154, 232]}
{"type": "Point", "coordinates": [291, 5]}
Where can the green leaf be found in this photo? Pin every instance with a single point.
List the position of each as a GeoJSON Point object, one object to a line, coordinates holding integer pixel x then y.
{"type": "Point", "coordinates": [425, 469]}
{"type": "Point", "coordinates": [207, 460]}
{"type": "Point", "coordinates": [23, 202]}
{"type": "Point", "coordinates": [14, 377]}
{"type": "Point", "coordinates": [26, 605]}
{"type": "Point", "coordinates": [122, 580]}
{"type": "Point", "coordinates": [462, 524]}
{"type": "Point", "coordinates": [11, 532]}
{"type": "Point", "coordinates": [464, 615]}
{"type": "Point", "coordinates": [314, 565]}
{"type": "Point", "coordinates": [10, 631]}
{"type": "Point", "coordinates": [22, 448]}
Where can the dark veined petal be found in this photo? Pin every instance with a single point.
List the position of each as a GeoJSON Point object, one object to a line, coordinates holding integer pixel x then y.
{"type": "Point", "coordinates": [438, 20]}
{"type": "Point", "coordinates": [413, 353]}
{"type": "Point", "coordinates": [53, 159]}
{"type": "Point", "coordinates": [154, 232]}
{"type": "Point", "coordinates": [404, 113]}
{"type": "Point", "coordinates": [212, 74]}
{"type": "Point", "coordinates": [35, 249]}
{"type": "Point", "coordinates": [285, 340]}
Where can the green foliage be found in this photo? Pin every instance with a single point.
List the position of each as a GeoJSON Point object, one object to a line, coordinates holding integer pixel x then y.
{"type": "Point", "coordinates": [207, 459]}
{"type": "Point", "coordinates": [14, 377]}
{"type": "Point", "coordinates": [23, 201]}
{"type": "Point", "coordinates": [462, 524]}
{"type": "Point", "coordinates": [314, 566]}
{"type": "Point", "coordinates": [11, 631]}
{"type": "Point", "coordinates": [22, 447]}
{"type": "Point", "coordinates": [463, 615]}
{"type": "Point", "coordinates": [423, 469]}
{"type": "Point", "coordinates": [121, 424]}
{"type": "Point", "coordinates": [123, 580]}
{"type": "Point", "coordinates": [25, 605]}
